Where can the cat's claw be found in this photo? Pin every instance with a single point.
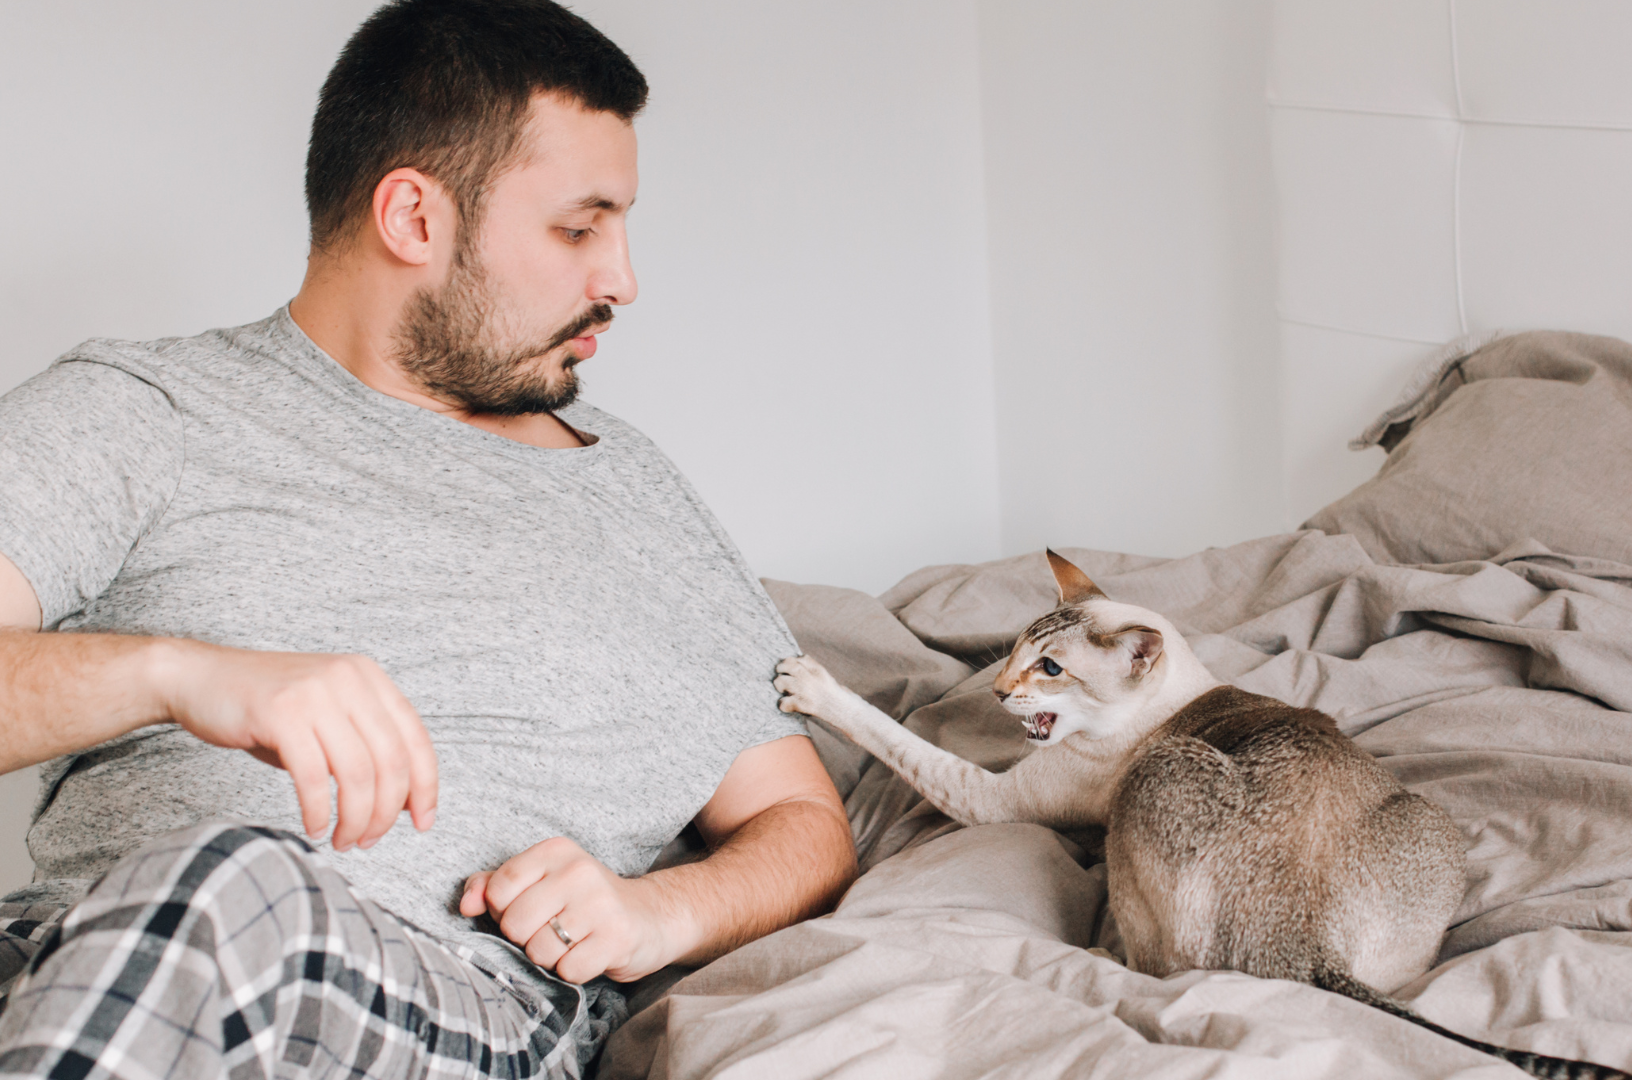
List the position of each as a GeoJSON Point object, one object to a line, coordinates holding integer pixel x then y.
{"type": "Point", "coordinates": [806, 686]}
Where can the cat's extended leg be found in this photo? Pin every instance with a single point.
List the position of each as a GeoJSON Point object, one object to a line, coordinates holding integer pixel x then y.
{"type": "Point", "coordinates": [959, 789]}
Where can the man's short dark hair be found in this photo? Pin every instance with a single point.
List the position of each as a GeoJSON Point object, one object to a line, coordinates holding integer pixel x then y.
{"type": "Point", "coordinates": [444, 86]}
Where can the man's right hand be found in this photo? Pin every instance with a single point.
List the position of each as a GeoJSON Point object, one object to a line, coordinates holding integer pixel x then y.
{"type": "Point", "coordinates": [314, 716]}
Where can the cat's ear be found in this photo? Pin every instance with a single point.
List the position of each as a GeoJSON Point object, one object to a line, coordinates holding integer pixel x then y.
{"type": "Point", "coordinates": [1141, 646]}
{"type": "Point", "coordinates": [1075, 586]}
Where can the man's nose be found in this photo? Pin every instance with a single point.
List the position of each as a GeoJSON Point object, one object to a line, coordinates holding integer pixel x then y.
{"type": "Point", "coordinates": [616, 284]}
{"type": "Point", "coordinates": [614, 280]}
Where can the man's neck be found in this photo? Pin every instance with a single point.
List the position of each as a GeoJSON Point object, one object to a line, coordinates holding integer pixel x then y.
{"type": "Point", "coordinates": [353, 323]}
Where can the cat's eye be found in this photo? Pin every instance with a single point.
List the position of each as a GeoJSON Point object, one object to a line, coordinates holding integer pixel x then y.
{"type": "Point", "coordinates": [1049, 666]}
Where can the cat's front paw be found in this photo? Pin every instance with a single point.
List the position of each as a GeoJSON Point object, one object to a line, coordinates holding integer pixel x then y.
{"type": "Point", "coordinates": [806, 687]}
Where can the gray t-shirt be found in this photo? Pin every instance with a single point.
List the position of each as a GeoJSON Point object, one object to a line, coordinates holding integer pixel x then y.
{"type": "Point", "coordinates": [587, 648]}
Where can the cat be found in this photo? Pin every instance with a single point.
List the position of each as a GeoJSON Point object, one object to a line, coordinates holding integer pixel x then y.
{"type": "Point", "coordinates": [1240, 833]}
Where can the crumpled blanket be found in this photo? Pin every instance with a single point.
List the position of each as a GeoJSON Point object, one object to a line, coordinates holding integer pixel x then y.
{"type": "Point", "coordinates": [1500, 689]}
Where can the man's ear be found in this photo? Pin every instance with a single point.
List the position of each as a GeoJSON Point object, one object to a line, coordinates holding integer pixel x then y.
{"type": "Point", "coordinates": [1141, 646]}
{"type": "Point", "coordinates": [413, 216]}
{"type": "Point", "coordinates": [1075, 586]}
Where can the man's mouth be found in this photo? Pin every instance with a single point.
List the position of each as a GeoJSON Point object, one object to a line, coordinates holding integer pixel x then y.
{"type": "Point", "coordinates": [579, 335]}
{"type": "Point", "coordinates": [1038, 725]}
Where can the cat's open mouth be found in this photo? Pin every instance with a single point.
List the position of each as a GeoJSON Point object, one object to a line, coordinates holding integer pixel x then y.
{"type": "Point", "coordinates": [1038, 725]}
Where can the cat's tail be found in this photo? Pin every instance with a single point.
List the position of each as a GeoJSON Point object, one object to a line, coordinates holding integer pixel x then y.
{"type": "Point", "coordinates": [1338, 981]}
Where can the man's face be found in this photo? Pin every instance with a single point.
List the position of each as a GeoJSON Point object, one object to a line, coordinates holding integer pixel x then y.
{"type": "Point", "coordinates": [526, 295]}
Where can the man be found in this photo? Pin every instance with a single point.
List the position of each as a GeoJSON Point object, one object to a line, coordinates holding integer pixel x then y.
{"type": "Point", "coordinates": [374, 542]}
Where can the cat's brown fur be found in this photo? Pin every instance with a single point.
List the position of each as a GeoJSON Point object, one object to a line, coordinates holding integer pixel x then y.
{"type": "Point", "coordinates": [1241, 833]}
{"type": "Point", "coordinates": [1250, 835]}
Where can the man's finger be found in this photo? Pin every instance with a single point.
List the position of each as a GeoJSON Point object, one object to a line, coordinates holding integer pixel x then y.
{"type": "Point", "coordinates": [473, 901]}
{"type": "Point", "coordinates": [379, 733]}
{"type": "Point", "coordinates": [521, 872]}
{"type": "Point", "coordinates": [303, 758]}
{"type": "Point", "coordinates": [422, 766]}
{"type": "Point", "coordinates": [590, 956]}
{"type": "Point", "coordinates": [529, 914]}
{"type": "Point", "coordinates": [353, 769]}
{"type": "Point", "coordinates": [545, 948]}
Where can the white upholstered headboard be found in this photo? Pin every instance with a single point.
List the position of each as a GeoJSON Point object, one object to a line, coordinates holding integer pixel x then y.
{"type": "Point", "coordinates": [1443, 167]}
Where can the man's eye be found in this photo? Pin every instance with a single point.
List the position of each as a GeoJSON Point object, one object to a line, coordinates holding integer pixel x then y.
{"type": "Point", "coordinates": [1050, 667]}
{"type": "Point", "coordinates": [574, 235]}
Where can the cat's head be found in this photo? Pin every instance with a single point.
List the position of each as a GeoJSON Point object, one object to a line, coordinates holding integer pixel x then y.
{"type": "Point", "coordinates": [1085, 666]}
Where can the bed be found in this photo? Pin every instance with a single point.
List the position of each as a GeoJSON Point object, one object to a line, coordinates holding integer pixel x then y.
{"type": "Point", "coordinates": [1466, 616]}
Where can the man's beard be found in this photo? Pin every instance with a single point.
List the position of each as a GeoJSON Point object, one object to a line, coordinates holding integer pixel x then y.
{"type": "Point", "coordinates": [445, 344]}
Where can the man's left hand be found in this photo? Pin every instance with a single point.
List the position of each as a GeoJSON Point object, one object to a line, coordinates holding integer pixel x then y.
{"type": "Point", "coordinates": [780, 851]}
{"type": "Point", "coordinates": [614, 925]}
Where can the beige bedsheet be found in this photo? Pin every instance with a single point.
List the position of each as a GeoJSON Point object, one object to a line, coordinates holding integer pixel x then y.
{"type": "Point", "coordinates": [1500, 689]}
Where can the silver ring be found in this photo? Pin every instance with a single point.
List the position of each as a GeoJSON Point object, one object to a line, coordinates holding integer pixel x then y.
{"type": "Point", "coordinates": [566, 938]}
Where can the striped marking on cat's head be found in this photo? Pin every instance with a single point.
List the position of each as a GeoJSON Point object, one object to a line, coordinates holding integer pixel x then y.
{"type": "Point", "coordinates": [1087, 653]}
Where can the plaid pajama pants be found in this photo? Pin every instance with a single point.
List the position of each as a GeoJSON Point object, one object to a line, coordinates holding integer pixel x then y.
{"type": "Point", "coordinates": [228, 950]}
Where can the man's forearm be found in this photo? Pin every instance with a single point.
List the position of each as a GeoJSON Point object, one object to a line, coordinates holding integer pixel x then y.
{"type": "Point", "coordinates": [791, 862]}
{"type": "Point", "coordinates": [314, 715]}
{"type": "Point", "coordinates": [64, 692]}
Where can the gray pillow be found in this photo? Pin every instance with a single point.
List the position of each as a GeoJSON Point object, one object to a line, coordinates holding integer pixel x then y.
{"type": "Point", "coordinates": [1526, 438]}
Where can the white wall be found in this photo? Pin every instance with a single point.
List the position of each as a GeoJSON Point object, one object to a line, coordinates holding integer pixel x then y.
{"type": "Point", "coordinates": [811, 341]}
{"type": "Point", "coordinates": [1130, 210]}
{"type": "Point", "coordinates": [1443, 168]}
{"type": "Point", "coordinates": [153, 163]}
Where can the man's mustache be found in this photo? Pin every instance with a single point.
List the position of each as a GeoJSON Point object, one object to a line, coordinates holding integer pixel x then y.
{"type": "Point", "coordinates": [599, 315]}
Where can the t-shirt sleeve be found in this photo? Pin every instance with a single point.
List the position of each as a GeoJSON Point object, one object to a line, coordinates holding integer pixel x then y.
{"type": "Point", "coordinates": [772, 642]}
{"type": "Point", "coordinates": [90, 456]}
{"type": "Point", "coordinates": [776, 725]}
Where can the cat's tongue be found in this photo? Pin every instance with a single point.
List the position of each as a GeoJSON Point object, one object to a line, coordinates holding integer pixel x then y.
{"type": "Point", "coordinates": [1038, 725]}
